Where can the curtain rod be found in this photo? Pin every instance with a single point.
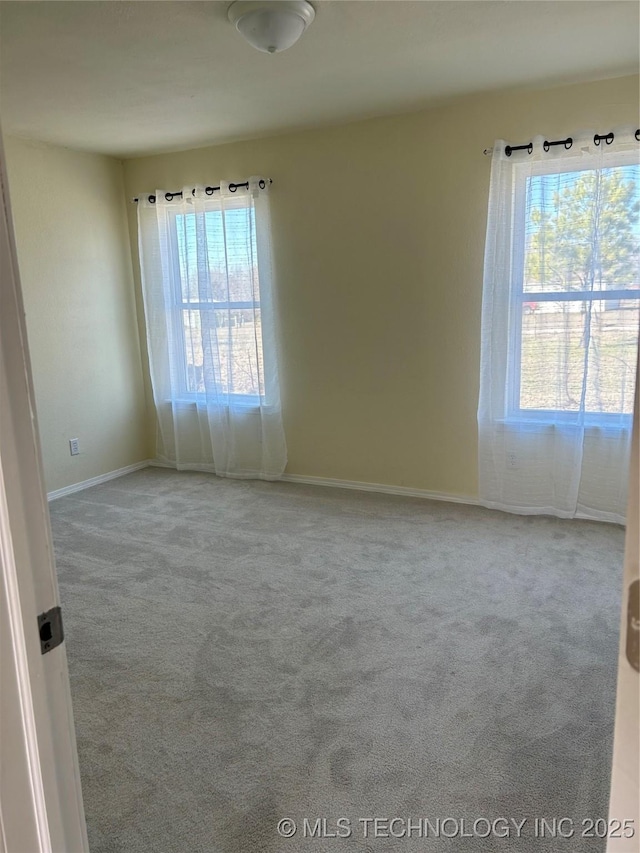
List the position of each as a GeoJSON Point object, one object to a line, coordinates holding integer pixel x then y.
{"type": "Point", "coordinates": [208, 190]}
{"type": "Point", "coordinates": [568, 142]}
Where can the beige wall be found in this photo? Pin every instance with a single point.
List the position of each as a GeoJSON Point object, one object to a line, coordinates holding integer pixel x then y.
{"type": "Point", "coordinates": [378, 237]}
{"type": "Point", "coordinates": [75, 267]}
{"type": "Point", "coordinates": [378, 242]}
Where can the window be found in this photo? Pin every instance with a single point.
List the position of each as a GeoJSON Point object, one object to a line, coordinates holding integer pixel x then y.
{"type": "Point", "coordinates": [575, 301]}
{"type": "Point", "coordinates": [210, 315]}
{"type": "Point", "coordinates": [560, 312]}
{"type": "Point", "coordinates": [217, 304]}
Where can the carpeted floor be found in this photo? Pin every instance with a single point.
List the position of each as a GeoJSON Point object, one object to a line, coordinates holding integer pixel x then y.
{"type": "Point", "coordinates": [243, 652]}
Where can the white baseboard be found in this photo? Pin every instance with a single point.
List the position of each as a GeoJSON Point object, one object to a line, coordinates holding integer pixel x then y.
{"type": "Point", "coordinates": [355, 485]}
{"type": "Point", "coordinates": [407, 491]}
{"type": "Point", "coordinates": [95, 481]}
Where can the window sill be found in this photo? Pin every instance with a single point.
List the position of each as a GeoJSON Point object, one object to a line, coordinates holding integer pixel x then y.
{"type": "Point", "coordinates": [610, 423]}
{"type": "Point", "coordinates": [246, 406]}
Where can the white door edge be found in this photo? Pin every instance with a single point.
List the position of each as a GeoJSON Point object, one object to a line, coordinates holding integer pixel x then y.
{"type": "Point", "coordinates": [24, 695]}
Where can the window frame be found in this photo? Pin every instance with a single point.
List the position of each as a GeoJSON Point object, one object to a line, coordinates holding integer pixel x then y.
{"type": "Point", "coordinates": [518, 297]}
{"type": "Point", "coordinates": [179, 377]}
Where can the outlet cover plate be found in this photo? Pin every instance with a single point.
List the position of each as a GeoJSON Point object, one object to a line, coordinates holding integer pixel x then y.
{"type": "Point", "coordinates": [512, 461]}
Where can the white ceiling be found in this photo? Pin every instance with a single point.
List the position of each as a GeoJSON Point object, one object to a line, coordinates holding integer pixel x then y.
{"type": "Point", "coordinates": [129, 78]}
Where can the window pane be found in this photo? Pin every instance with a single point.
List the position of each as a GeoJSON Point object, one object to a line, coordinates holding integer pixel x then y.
{"type": "Point", "coordinates": [575, 349]}
{"type": "Point", "coordinates": [582, 230]}
{"type": "Point", "coordinates": [223, 352]}
{"type": "Point", "coordinates": [233, 262]}
{"type": "Point", "coordinates": [193, 351]}
{"type": "Point", "coordinates": [192, 289]}
{"type": "Point", "coordinates": [218, 259]}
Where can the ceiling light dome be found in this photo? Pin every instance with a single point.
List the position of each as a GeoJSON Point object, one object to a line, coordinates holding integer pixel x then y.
{"type": "Point", "coordinates": [271, 25]}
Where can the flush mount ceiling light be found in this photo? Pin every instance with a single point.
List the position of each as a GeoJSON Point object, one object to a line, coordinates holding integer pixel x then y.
{"type": "Point", "coordinates": [271, 25]}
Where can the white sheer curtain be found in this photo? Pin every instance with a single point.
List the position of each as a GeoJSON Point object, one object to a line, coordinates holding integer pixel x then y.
{"type": "Point", "coordinates": [211, 329]}
{"type": "Point", "coordinates": [560, 327]}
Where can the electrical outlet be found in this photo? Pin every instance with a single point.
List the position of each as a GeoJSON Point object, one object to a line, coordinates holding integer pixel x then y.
{"type": "Point", "coordinates": [74, 446]}
{"type": "Point", "coordinates": [512, 461]}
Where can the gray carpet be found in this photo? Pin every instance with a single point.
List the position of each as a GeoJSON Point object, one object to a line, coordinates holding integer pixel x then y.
{"type": "Point", "coordinates": [242, 652]}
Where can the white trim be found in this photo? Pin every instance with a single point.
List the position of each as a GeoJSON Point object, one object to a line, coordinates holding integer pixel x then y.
{"type": "Point", "coordinates": [95, 481]}
{"type": "Point", "coordinates": [407, 491]}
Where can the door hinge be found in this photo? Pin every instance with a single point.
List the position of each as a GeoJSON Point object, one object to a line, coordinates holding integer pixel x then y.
{"type": "Point", "coordinates": [50, 629]}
